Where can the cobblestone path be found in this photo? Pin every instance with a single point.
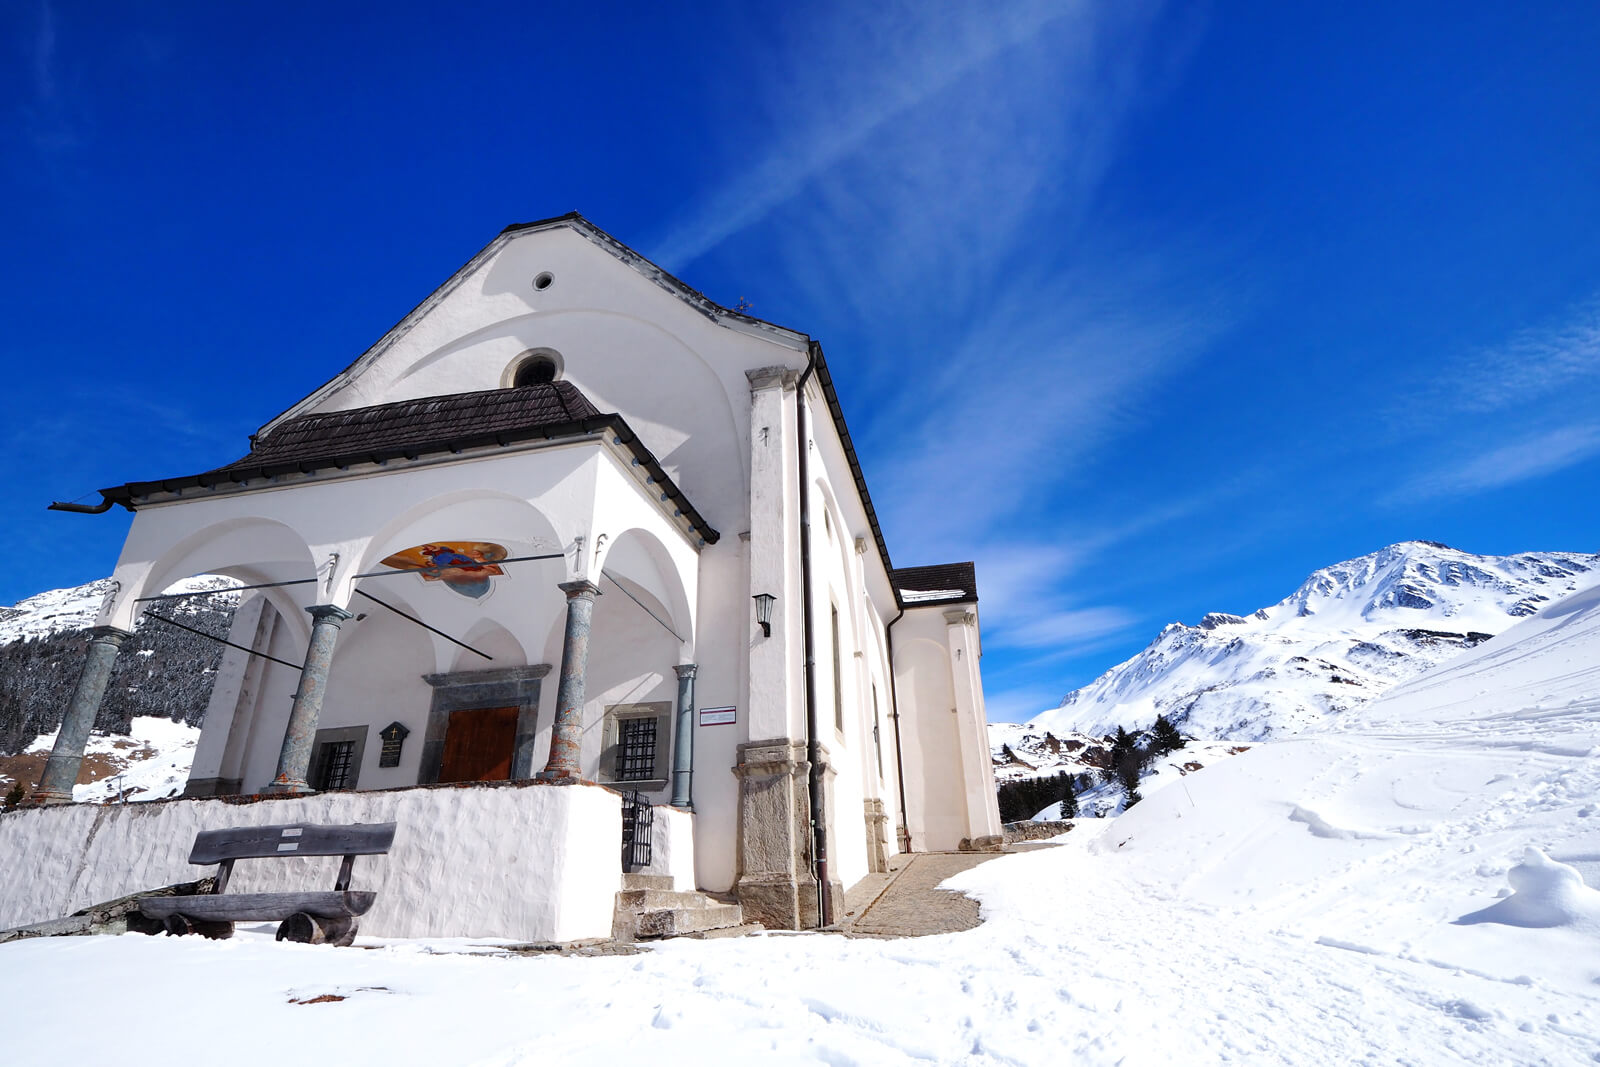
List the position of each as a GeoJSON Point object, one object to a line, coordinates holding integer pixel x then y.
{"type": "Point", "coordinates": [905, 902]}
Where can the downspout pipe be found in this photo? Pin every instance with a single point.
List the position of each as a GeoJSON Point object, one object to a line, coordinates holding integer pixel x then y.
{"type": "Point", "coordinates": [819, 830]}
{"type": "Point", "coordinates": [894, 705]}
{"type": "Point", "coordinates": [83, 509]}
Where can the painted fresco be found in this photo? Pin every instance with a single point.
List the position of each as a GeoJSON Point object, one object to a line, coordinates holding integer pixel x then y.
{"type": "Point", "coordinates": [464, 567]}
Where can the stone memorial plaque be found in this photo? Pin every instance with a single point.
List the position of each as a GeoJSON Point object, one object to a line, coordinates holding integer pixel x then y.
{"type": "Point", "coordinates": [718, 716]}
{"type": "Point", "coordinates": [394, 736]}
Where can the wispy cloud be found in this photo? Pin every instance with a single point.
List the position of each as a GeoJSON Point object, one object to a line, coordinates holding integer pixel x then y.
{"type": "Point", "coordinates": [48, 115]}
{"type": "Point", "coordinates": [1539, 388]}
{"type": "Point", "coordinates": [860, 81]}
{"type": "Point", "coordinates": [1532, 457]}
{"type": "Point", "coordinates": [1533, 364]}
{"type": "Point", "coordinates": [1068, 629]}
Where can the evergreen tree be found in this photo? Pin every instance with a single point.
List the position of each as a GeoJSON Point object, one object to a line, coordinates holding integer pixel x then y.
{"type": "Point", "coordinates": [1167, 737]}
{"type": "Point", "coordinates": [1069, 801]}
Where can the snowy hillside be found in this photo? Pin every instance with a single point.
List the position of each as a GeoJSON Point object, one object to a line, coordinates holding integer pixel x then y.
{"type": "Point", "coordinates": [1418, 888]}
{"type": "Point", "coordinates": [1345, 636]}
{"type": "Point", "coordinates": [153, 706]}
{"type": "Point", "coordinates": [150, 762]}
{"type": "Point", "coordinates": [58, 611]}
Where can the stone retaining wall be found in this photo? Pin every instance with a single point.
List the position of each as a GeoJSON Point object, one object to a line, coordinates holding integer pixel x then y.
{"type": "Point", "coordinates": [1034, 831]}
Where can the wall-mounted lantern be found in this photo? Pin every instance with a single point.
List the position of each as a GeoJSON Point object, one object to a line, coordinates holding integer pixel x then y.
{"type": "Point", "coordinates": [764, 602]}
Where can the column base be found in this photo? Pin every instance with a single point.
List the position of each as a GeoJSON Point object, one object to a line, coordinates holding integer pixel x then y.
{"type": "Point", "coordinates": [46, 798]}
{"type": "Point", "coordinates": [775, 885]}
{"type": "Point", "coordinates": [287, 788]}
{"type": "Point", "coordinates": [561, 777]}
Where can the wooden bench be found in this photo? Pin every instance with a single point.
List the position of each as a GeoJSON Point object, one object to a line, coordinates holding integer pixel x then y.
{"type": "Point", "coordinates": [312, 917]}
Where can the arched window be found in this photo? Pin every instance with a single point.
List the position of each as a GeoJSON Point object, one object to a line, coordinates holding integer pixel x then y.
{"type": "Point", "coordinates": [540, 370]}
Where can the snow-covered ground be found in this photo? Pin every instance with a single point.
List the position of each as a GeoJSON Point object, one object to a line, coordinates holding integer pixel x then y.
{"type": "Point", "coordinates": [1366, 896]}
{"type": "Point", "coordinates": [151, 763]}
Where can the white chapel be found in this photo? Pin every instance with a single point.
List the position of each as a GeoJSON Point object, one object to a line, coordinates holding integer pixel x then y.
{"type": "Point", "coordinates": [570, 524]}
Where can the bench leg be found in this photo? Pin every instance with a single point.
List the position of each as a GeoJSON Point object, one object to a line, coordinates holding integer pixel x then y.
{"type": "Point", "coordinates": [341, 931]}
{"type": "Point", "coordinates": [179, 925]}
{"type": "Point", "coordinates": [300, 928]}
{"type": "Point", "coordinates": [309, 930]}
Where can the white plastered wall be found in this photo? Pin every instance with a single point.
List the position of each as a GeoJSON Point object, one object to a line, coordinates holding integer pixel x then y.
{"type": "Point", "coordinates": [528, 862]}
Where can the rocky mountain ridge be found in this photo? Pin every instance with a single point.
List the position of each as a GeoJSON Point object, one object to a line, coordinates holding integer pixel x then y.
{"type": "Point", "coordinates": [1347, 634]}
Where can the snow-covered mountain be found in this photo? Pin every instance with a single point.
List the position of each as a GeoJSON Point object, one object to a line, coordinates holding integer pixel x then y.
{"type": "Point", "coordinates": [58, 611]}
{"type": "Point", "coordinates": [1346, 635]}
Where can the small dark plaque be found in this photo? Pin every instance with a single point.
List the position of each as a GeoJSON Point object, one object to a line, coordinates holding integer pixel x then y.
{"type": "Point", "coordinates": [394, 735]}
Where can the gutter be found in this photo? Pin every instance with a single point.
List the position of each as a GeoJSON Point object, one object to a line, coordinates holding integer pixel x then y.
{"type": "Point", "coordinates": [819, 830]}
{"type": "Point", "coordinates": [894, 705]}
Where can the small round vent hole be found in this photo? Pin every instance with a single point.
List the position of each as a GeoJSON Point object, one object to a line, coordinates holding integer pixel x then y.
{"type": "Point", "coordinates": [543, 280]}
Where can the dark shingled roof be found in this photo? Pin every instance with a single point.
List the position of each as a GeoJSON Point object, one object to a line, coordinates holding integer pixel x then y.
{"type": "Point", "coordinates": [417, 424]}
{"type": "Point", "coordinates": [407, 429]}
{"type": "Point", "coordinates": [959, 580]}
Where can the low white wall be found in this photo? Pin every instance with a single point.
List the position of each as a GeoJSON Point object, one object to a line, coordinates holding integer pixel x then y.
{"type": "Point", "coordinates": [527, 861]}
{"type": "Point", "coordinates": [672, 847]}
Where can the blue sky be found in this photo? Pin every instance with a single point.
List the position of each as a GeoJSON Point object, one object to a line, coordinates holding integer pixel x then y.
{"type": "Point", "coordinates": [1150, 309]}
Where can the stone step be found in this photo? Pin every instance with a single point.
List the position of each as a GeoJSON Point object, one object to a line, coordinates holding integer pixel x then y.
{"type": "Point", "coordinates": [660, 899]}
{"type": "Point", "coordinates": [742, 930]}
{"type": "Point", "coordinates": [672, 922]}
{"type": "Point", "coordinates": [646, 881]}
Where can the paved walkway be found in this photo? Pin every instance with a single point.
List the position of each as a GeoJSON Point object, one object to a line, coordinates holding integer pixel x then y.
{"type": "Point", "coordinates": [906, 903]}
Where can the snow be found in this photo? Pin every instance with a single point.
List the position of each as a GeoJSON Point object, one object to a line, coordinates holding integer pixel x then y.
{"type": "Point", "coordinates": [1344, 637]}
{"type": "Point", "coordinates": [1417, 886]}
{"type": "Point", "coordinates": [920, 596]}
{"type": "Point", "coordinates": [154, 758]}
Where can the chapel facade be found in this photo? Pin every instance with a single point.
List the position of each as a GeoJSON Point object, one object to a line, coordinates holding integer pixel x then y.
{"type": "Point", "coordinates": [570, 521]}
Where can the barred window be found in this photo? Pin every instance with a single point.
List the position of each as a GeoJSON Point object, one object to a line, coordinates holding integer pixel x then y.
{"type": "Point", "coordinates": [636, 749]}
{"type": "Point", "coordinates": [335, 758]}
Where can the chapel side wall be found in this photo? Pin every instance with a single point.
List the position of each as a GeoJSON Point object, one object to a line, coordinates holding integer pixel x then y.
{"type": "Point", "coordinates": [859, 585]}
{"type": "Point", "coordinates": [835, 589]}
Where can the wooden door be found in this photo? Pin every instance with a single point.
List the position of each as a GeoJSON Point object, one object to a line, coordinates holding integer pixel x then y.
{"type": "Point", "coordinates": [477, 745]}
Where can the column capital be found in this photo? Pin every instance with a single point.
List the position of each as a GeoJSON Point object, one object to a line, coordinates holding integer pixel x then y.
{"type": "Point", "coordinates": [959, 617]}
{"type": "Point", "coordinates": [580, 588]}
{"type": "Point", "coordinates": [332, 613]}
{"type": "Point", "coordinates": [686, 670]}
{"type": "Point", "coordinates": [772, 377]}
{"type": "Point", "coordinates": [114, 634]}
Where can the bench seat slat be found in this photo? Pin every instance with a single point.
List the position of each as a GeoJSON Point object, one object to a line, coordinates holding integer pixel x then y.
{"type": "Point", "coordinates": [261, 907]}
{"type": "Point", "coordinates": [292, 839]}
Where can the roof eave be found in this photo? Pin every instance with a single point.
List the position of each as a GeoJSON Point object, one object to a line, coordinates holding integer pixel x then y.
{"type": "Point", "coordinates": [129, 494]}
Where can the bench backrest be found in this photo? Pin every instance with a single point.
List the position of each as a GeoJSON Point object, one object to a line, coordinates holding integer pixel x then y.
{"type": "Point", "coordinates": [294, 839]}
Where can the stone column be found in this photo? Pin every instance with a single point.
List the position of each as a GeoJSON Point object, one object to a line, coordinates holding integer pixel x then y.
{"type": "Point", "coordinates": [566, 735]}
{"type": "Point", "coordinates": [683, 739]}
{"type": "Point", "coordinates": [61, 771]}
{"type": "Point", "coordinates": [294, 759]}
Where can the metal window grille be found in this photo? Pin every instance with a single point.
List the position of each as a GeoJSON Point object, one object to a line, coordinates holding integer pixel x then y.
{"type": "Point", "coordinates": [336, 757]}
{"type": "Point", "coordinates": [637, 819]}
{"type": "Point", "coordinates": [636, 749]}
